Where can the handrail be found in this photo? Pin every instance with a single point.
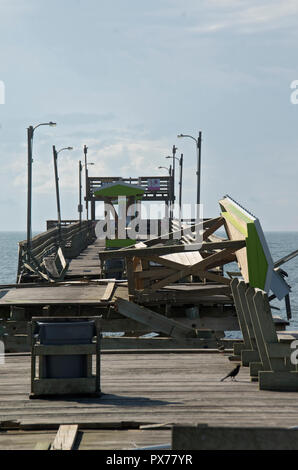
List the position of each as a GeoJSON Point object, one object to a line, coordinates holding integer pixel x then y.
{"type": "Point", "coordinates": [73, 239]}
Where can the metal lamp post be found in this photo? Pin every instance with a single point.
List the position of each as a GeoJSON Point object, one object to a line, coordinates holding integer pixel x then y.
{"type": "Point", "coordinates": [171, 174]}
{"type": "Point", "coordinates": [80, 206]}
{"type": "Point", "coordinates": [198, 142]}
{"type": "Point", "coordinates": [55, 157]}
{"type": "Point", "coordinates": [180, 160]}
{"type": "Point", "coordinates": [174, 150]}
{"type": "Point", "coordinates": [30, 134]}
{"type": "Point", "coordinates": [166, 168]}
{"type": "Point", "coordinates": [86, 179]}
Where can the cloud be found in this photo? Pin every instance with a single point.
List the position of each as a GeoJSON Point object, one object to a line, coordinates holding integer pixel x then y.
{"type": "Point", "coordinates": [247, 17]}
{"type": "Point", "coordinates": [132, 156]}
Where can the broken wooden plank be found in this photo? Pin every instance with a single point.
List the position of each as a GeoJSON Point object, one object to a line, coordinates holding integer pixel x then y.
{"type": "Point", "coordinates": [157, 322]}
{"type": "Point", "coordinates": [109, 291]}
{"type": "Point", "coordinates": [193, 269]}
{"type": "Point", "coordinates": [65, 437]}
{"type": "Point", "coordinates": [170, 249]}
{"type": "Point", "coordinates": [181, 231]}
{"type": "Point", "coordinates": [215, 226]}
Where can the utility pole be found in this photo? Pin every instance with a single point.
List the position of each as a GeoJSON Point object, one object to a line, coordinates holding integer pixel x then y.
{"type": "Point", "coordinates": [180, 184]}
{"type": "Point", "coordinates": [198, 142]}
{"type": "Point", "coordinates": [199, 149]}
{"type": "Point", "coordinates": [55, 157]}
{"type": "Point", "coordinates": [80, 207]}
{"type": "Point", "coordinates": [86, 179]}
{"type": "Point", "coordinates": [30, 131]}
{"type": "Point", "coordinates": [174, 150]}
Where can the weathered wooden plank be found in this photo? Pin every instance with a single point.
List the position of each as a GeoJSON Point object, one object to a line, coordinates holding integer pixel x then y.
{"type": "Point", "coordinates": [213, 227]}
{"type": "Point", "coordinates": [214, 277]}
{"type": "Point", "coordinates": [153, 273]}
{"type": "Point", "coordinates": [199, 267]}
{"type": "Point", "coordinates": [170, 249]}
{"type": "Point", "coordinates": [157, 343]}
{"type": "Point", "coordinates": [109, 291]}
{"type": "Point", "coordinates": [63, 294]}
{"type": "Point", "coordinates": [156, 321]}
{"type": "Point", "coordinates": [65, 437]}
{"type": "Point", "coordinates": [145, 389]}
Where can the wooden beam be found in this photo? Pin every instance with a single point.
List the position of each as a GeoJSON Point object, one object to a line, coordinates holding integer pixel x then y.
{"type": "Point", "coordinates": [109, 291]}
{"type": "Point", "coordinates": [221, 245]}
{"type": "Point", "coordinates": [168, 263]}
{"type": "Point", "coordinates": [130, 276]}
{"type": "Point", "coordinates": [169, 279]}
{"type": "Point", "coordinates": [139, 252]}
{"type": "Point", "coordinates": [214, 277]}
{"type": "Point", "coordinates": [200, 266]}
{"type": "Point", "coordinates": [215, 226]}
{"type": "Point", "coordinates": [170, 249]}
{"type": "Point", "coordinates": [154, 273]}
{"type": "Point", "coordinates": [65, 437]}
{"type": "Point", "coordinates": [212, 260]}
{"type": "Point", "coordinates": [172, 235]}
{"type": "Point", "coordinates": [157, 322]}
{"type": "Point", "coordinates": [172, 344]}
{"type": "Point", "coordinates": [228, 258]}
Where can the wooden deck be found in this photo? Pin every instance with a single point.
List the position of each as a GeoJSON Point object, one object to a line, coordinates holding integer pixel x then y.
{"type": "Point", "coordinates": [87, 263]}
{"type": "Point", "coordinates": [141, 389]}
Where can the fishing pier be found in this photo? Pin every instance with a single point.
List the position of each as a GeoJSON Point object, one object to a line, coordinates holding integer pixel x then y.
{"type": "Point", "coordinates": [161, 303]}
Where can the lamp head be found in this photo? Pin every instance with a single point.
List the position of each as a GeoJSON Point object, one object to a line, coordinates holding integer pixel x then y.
{"type": "Point", "coordinates": [52, 124]}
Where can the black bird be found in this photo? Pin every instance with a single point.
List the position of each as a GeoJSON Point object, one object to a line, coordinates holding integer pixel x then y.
{"type": "Point", "coordinates": [232, 374]}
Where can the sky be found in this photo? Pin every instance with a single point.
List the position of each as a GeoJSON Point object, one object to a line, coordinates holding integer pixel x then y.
{"type": "Point", "coordinates": [124, 78]}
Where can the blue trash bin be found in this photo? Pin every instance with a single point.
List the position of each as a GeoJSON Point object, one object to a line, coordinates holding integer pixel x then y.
{"type": "Point", "coordinates": [64, 333]}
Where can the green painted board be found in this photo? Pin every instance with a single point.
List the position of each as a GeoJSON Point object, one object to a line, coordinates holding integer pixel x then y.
{"type": "Point", "coordinates": [119, 243]}
{"type": "Point", "coordinates": [255, 260]}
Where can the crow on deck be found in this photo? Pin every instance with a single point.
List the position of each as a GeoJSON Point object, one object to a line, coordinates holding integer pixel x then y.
{"type": "Point", "coordinates": [232, 374]}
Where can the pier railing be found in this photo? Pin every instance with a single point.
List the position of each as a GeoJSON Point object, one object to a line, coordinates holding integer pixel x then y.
{"type": "Point", "coordinates": [71, 240]}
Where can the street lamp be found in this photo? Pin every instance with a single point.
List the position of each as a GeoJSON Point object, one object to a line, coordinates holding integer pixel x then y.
{"type": "Point", "coordinates": [198, 142]}
{"type": "Point", "coordinates": [86, 180]}
{"type": "Point", "coordinates": [30, 134]}
{"type": "Point", "coordinates": [166, 168]}
{"type": "Point", "coordinates": [55, 156]}
{"type": "Point", "coordinates": [80, 207]}
{"type": "Point", "coordinates": [171, 173]}
{"type": "Point", "coordinates": [180, 160]}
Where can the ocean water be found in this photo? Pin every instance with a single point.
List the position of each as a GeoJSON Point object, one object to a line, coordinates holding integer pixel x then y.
{"type": "Point", "coordinates": [9, 255]}
{"type": "Point", "coordinates": [280, 244]}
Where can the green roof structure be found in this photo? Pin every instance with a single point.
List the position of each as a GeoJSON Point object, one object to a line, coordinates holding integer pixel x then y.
{"type": "Point", "coordinates": [120, 189]}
